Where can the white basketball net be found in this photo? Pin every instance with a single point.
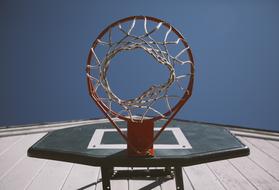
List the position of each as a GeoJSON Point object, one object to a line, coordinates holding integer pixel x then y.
{"type": "Point", "coordinates": [158, 50]}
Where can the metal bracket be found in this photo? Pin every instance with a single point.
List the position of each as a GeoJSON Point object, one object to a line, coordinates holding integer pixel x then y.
{"type": "Point", "coordinates": [160, 175]}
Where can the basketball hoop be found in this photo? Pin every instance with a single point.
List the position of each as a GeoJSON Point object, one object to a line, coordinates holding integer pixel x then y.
{"type": "Point", "coordinates": [140, 136]}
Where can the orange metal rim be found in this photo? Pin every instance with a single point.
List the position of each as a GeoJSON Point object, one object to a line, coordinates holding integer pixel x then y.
{"type": "Point", "coordinates": [181, 102]}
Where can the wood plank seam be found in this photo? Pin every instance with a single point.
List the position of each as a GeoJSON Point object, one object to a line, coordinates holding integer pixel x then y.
{"type": "Point", "coordinates": [264, 169]}
{"type": "Point", "coordinates": [243, 175]}
{"type": "Point", "coordinates": [230, 175]}
{"type": "Point", "coordinates": [188, 178]}
{"type": "Point", "coordinates": [273, 143]}
{"type": "Point", "coordinates": [216, 176]}
{"type": "Point", "coordinates": [261, 150]}
{"type": "Point", "coordinates": [36, 175]}
{"type": "Point", "coordinates": [129, 186]}
{"type": "Point", "coordinates": [13, 166]}
{"type": "Point", "coordinates": [99, 179]}
{"type": "Point", "coordinates": [66, 177]}
{"type": "Point", "coordinates": [20, 157]}
{"type": "Point", "coordinates": [258, 164]}
{"type": "Point", "coordinates": [10, 146]}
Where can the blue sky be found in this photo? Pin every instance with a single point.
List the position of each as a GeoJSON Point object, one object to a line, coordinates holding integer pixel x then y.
{"type": "Point", "coordinates": [44, 47]}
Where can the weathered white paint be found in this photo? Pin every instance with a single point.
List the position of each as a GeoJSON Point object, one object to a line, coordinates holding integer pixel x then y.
{"type": "Point", "coordinates": [17, 171]}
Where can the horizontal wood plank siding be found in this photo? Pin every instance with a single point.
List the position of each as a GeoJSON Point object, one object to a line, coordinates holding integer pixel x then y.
{"type": "Point", "coordinates": [260, 170]}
